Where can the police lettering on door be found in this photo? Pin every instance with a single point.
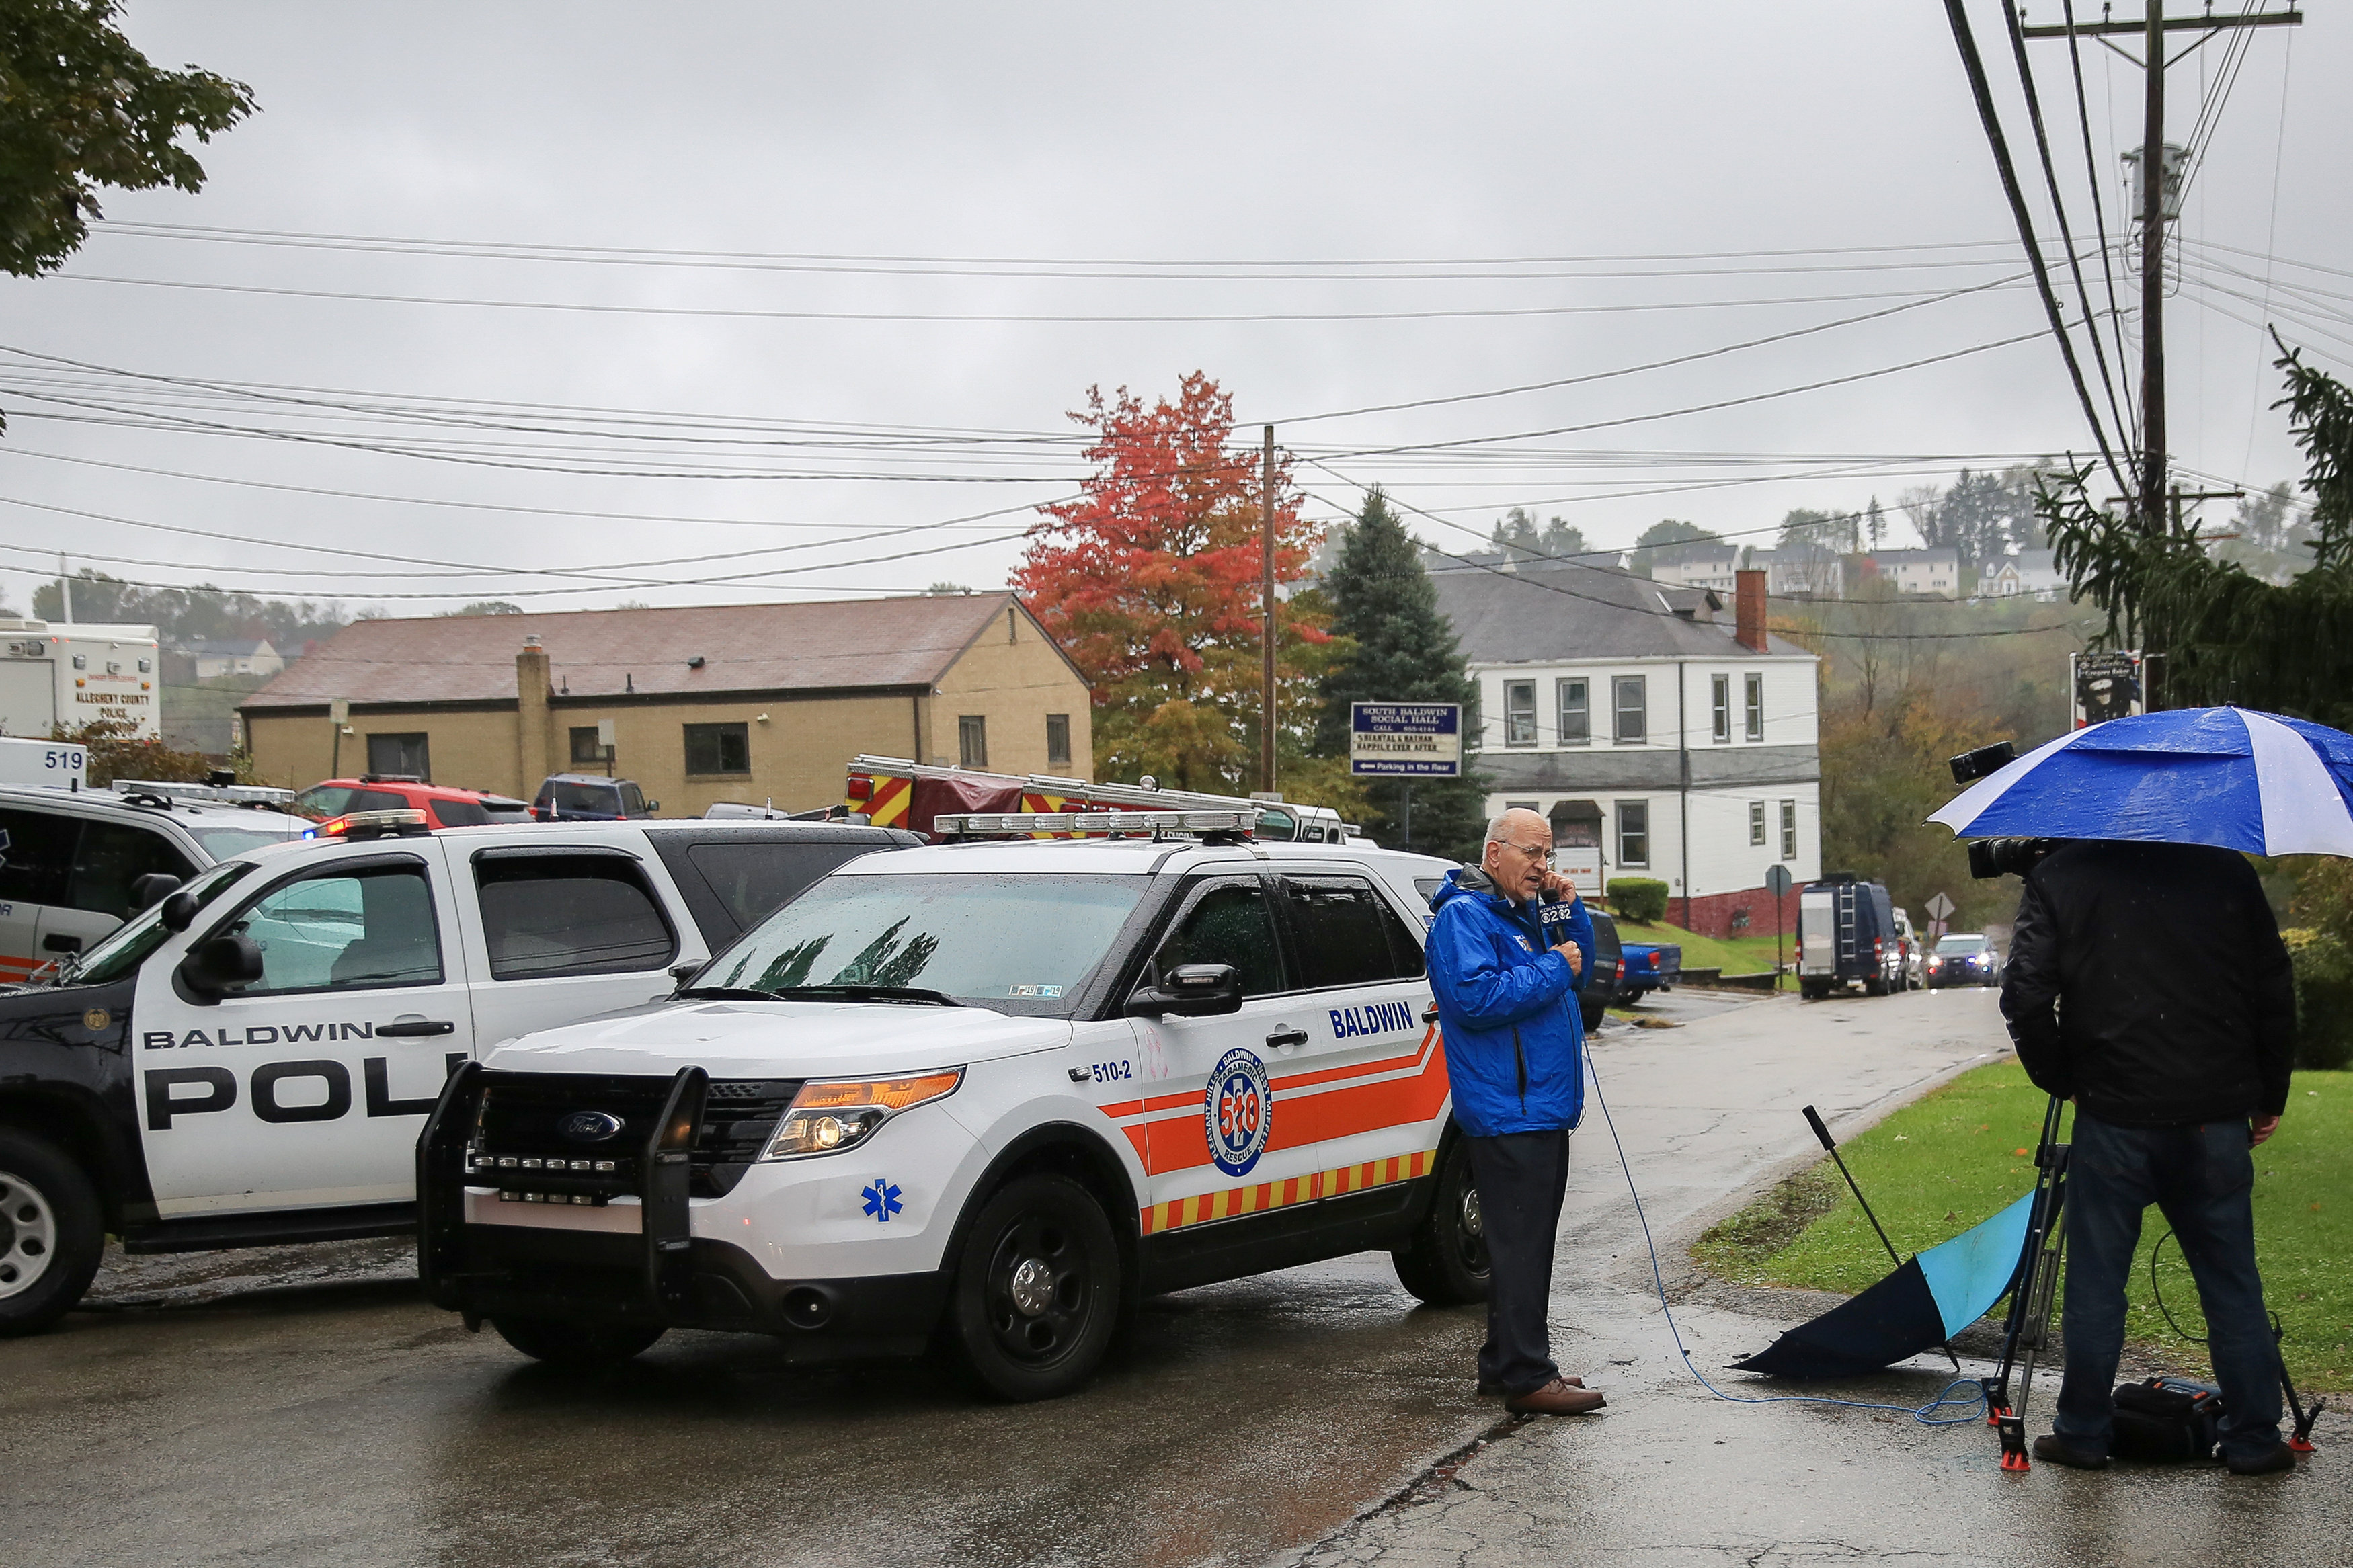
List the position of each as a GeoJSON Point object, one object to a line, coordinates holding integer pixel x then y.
{"type": "Point", "coordinates": [1375, 1018]}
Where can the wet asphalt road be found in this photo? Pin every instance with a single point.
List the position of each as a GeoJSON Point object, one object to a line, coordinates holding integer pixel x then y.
{"type": "Point", "coordinates": [343, 1420]}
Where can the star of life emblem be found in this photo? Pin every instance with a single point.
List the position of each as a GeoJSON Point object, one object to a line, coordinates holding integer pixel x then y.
{"type": "Point", "coordinates": [1238, 1112]}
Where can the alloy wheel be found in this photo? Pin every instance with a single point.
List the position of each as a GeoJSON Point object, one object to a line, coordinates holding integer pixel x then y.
{"type": "Point", "coordinates": [28, 1235]}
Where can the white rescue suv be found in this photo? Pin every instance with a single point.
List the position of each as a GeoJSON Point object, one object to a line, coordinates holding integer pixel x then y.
{"type": "Point", "coordinates": [987, 1092]}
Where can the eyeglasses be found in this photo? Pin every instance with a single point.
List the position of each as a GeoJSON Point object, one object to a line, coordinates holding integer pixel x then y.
{"type": "Point", "coordinates": [1540, 854]}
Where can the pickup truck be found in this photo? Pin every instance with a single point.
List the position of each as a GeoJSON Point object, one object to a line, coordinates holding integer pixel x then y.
{"type": "Point", "coordinates": [1648, 967]}
{"type": "Point", "coordinates": [247, 1060]}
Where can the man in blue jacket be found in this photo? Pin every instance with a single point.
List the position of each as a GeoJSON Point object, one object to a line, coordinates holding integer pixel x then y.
{"type": "Point", "coordinates": [1507, 1011]}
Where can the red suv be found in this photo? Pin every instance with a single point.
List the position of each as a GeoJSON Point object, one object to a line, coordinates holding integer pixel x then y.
{"type": "Point", "coordinates": [329, 803]}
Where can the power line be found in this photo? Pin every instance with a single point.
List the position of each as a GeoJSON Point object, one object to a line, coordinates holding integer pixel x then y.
{"type": "Point", "coordinates": [548, 251]}
{"type": "Point", "coordinates": [2100, 221]}
{"type": "Point", "coordinates": [983, 318]}
{"type": "Point", "coordinates": [1982, 91]}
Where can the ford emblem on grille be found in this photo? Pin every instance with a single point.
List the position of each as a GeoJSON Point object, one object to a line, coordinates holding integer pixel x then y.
{"type": "Point", "coordinates": [589, 1126]}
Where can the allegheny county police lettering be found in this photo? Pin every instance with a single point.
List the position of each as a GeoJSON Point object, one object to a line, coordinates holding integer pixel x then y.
{"type": "Point", "coordinates": [1379, 1018]}
{"type": "Point", "coordinates": [256, 1035]}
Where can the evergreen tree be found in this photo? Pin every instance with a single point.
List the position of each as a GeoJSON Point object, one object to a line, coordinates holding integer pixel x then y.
{"type": "Point", "coordinates": [1400, 649]}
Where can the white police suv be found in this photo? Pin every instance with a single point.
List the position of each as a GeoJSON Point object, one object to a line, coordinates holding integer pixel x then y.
{"type": "Point", "coordinates": [250, 1060]}
{"type": "Point", "coordinates": [989, 1090]}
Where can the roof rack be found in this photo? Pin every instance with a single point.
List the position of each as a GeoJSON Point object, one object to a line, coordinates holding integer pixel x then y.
{"type": "Point", "coordinates": [165, 792]}
{"type": "Point", "coordinates": [1211, 827]}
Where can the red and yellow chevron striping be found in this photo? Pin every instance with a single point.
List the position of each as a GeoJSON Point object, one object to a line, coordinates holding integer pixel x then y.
{"type": "Point", "coordinates": [1234, 1202]}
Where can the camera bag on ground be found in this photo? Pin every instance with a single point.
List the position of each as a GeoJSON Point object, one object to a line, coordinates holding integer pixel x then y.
{"type": "Point", "coordinates": [2166, 1420]}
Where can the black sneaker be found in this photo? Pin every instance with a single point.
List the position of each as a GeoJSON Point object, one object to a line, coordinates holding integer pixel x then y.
{"type": "Point", "coordinates": [2279, 1458]}
{"type": "Point", "coordinates": [2059, 1451]}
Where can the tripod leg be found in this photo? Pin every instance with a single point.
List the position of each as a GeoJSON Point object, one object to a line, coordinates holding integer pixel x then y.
{"type": "Point", "coordinates": [2037, 1336]}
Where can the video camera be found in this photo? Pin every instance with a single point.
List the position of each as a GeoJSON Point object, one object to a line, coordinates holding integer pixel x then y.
{"type": "Point", "coordinates": [1991, 857]}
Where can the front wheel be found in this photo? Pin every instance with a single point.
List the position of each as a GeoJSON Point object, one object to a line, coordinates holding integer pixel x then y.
{"type": "Point", "coordinates": [1038, 1287]}
{"type": "Point", "coordinates": [567, 1342]}
{"type": "Point", "coordinates": [52, 1233]}
{"type": "Point", "coordinates": [1445, 1264]}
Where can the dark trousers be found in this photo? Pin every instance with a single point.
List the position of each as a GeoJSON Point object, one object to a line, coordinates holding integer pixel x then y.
{"type": "Point", "coordinates": [1522, 1178]}
{"type": "Point", "coordinates": [2202, 1179]}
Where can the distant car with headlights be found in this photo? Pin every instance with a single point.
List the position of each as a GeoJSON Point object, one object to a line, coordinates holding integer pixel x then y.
{"type": "Point", "coordinates": [1964, 958]}
{"type": "Point", "coordinates": [986, 1093]}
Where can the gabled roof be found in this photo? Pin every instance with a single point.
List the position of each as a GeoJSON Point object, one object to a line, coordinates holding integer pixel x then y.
{"type": "Point", "coordinates": [836, 644]}
{"type": "Point", "coordinates": [1557, 613]}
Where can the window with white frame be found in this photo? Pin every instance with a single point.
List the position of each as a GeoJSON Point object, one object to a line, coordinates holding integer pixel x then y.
{"type": "Point", "coordinates": [1788, 830]}
{"type": "Point", "coordinates": [1720, 707]}
{"type": "Point", "coordinates": [1756, 682]}
{"type": "Point", "coordinates": [1631, 705]}
{"type": "Point", "coordinates": [1575, 711]}
{"type": "Point", "coordinates": [1633, 833]}
{"type": "Point", "coordinates": [1755, 822]}
{"type": "Point", "coordinates": [1519, 713]}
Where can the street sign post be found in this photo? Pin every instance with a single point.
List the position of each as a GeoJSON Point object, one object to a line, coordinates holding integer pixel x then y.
{"type": "Point", "coordinates": [1404, 741]}
{"type": "Point", "coordinates": [1939, 908]}
{"type": "Point", "coordinates": [1776, 882]}
{"type": "Point", "coordinates": [2104, 686]}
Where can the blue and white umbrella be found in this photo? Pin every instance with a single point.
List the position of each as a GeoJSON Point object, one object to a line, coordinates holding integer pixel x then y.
{"type": "Point", "coordinates": [2227, 776]}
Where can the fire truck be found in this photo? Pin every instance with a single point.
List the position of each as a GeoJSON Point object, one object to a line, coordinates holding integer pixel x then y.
{"type": "Point", "coordinates": [893, 792]}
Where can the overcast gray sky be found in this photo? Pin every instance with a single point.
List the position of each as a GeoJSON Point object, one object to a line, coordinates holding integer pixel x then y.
{"type": "Point", "coordinates": [1324, 206]}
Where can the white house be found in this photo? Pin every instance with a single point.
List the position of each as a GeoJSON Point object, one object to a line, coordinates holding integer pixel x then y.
{"type": "Point", "coordinates": [1641, 716]}
{"type": "Point", "coordinates": [2029, 573]}
{"type": "Point", "coordinates": [1934, 572]}
{"type": "Point", "coordinates": [1801, 572]}
{"type": "Point", "coordinates": [215, 657]}
{"type": "Point", "coordinates": [1709, 566]}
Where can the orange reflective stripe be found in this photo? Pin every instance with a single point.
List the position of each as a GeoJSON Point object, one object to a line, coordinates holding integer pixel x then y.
{"type": "Point", "coordinates": [1232, 1203]}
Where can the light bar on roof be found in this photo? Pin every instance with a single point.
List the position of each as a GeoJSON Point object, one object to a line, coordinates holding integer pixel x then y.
{"type": "Point", "coordinates": [1090, 823]}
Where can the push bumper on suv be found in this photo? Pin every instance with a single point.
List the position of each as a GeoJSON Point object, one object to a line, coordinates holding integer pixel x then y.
{"type": "Point", "coordinates": [676, 1138]}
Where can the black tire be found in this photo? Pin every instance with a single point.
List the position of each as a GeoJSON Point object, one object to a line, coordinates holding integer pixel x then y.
{"type": "Point", "coordinates": [1446, 1263]}
{"type": "Point", "coordinates": [1592, 1011]}
{"type": "Point", "coordinates": [52, 1233]}
{"type": "Point", "coordinates": [1812, 990]}
{"type": "Point", "coordinates": [567, 1342]}
{"type": "Point", "coordinates": [1876, 986]}
{"type": "Point", "coordinates": [1038, 1288]}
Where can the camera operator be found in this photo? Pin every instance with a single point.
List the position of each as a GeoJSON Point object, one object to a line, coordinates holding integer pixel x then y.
{"type": "Point", "coordinates": [2148, 983]}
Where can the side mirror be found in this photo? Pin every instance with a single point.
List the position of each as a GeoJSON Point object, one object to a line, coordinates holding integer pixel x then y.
{"type": "Point", "coordinates": [1189, 991]}
{"type": "Point", "coordinates": [154, 885]}
{"type": "Point", "coordinates": [681, 974]}
{"type": "Point", "coordinates": [213, 967]}
{"type": "Point", "coordinates": [179, 913]}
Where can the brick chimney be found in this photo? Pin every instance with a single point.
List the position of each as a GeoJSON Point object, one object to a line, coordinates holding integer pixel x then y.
{"type": "Point", "coordinates": [532, 694]}
{"type": "Point", "coordinates": [1748, 611]}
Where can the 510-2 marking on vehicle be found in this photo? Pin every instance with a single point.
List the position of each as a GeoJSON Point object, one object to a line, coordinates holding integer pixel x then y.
{"type": "Point", "coordinates": [1114, 1072]}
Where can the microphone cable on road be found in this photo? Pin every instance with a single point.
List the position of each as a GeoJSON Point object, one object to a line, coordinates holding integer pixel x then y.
{"type": "Point", "coordinates": [1972, 1406]}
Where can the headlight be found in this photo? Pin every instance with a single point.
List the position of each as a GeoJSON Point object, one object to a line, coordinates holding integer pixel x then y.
{"type": "Point", "coordinates": [826, 1118]}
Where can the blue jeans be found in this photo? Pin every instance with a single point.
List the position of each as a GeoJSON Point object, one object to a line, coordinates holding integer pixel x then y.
{"type": "Point", "coordinates": [2203, 1178]}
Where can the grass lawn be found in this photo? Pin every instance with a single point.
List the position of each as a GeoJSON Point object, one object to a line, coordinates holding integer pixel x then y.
{"type": "Point", "coordinates": [1944, 1162]}
{"type": "Point", "coordinates": [1741, 955]}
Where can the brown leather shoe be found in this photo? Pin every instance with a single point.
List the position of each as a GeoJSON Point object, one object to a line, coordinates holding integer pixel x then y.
{"type": "Point", "coordinates": [1496, 1390]}
{"type": "Point", "coordinates": [1558, 1397]}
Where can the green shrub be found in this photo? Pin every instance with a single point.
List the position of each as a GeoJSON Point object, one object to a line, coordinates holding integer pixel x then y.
{"type": "Point", "coordinates": [1642, 900]}
{"type": "Point", "coordinates": [2324, 999]}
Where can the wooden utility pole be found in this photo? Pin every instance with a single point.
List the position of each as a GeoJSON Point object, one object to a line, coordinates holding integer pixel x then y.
{"type": "Point", "coordinates": [2152, 275]}
{"type": "Point", "coordinates": [2149, 501]}
{"type": "Point", "coordinates": [1266, 605]}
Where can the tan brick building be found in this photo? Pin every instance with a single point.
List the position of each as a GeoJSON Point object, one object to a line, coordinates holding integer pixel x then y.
{"type": "Point", "coordinates": [734, 702]}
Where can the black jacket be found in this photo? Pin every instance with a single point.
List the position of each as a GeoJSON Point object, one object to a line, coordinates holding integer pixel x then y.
{"type": "Point", "coordinates": [2149, 981]}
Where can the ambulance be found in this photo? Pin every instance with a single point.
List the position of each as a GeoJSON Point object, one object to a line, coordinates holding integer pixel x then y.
{"type": "Point", "coordinates": [987, 1093]}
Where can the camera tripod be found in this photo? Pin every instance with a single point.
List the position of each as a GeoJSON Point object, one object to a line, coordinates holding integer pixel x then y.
{"type": "Point", "coordinates": [2028, 1329]}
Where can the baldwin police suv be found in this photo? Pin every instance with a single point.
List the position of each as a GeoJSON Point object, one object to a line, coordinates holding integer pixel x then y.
{"type": "Point", "coordinates": [250, 1058]}
{"type": "Point", "coordinates": [987, 1092]}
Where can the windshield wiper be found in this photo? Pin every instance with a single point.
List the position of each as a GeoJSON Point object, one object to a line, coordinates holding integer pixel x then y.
{"type": "Point", "coordinates": [724, 994]}
{"type": "Point", "coordinates": [847, 993]}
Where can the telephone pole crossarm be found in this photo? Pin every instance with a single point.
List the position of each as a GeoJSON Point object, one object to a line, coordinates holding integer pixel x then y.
{"type": "Point", "coordinates": [2170, 24]}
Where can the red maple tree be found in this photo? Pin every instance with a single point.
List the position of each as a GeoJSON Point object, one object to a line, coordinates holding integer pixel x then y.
{"type": "Point", "coordinates": [1150, 580]}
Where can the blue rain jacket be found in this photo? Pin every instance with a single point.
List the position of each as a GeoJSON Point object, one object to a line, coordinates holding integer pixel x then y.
{"type": "Point", "coordinates": [1507, 1009]}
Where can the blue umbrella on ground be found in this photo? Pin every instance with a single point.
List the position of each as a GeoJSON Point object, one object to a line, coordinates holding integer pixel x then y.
{"type": "Point", "coordinates": [2231, 777]}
